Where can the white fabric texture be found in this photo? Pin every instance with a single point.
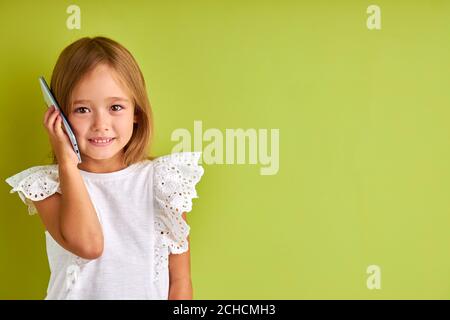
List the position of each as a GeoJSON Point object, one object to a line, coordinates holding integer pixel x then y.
{"type": "Point", "coordinates": [140, 210]}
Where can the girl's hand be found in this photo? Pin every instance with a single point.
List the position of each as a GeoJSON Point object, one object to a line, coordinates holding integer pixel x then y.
{"type": "Point", "coordinates": [58, 138]}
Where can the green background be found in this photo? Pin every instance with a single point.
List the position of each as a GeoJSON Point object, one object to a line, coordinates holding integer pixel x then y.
{"type": "Point", "coordinates": [364, 138]}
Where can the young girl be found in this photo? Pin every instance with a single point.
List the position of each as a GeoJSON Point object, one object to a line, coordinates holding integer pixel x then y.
{"type": "Point", "coordinates": [115, 223]}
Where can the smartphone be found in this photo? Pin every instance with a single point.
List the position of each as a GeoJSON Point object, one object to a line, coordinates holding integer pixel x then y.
{"type": "Point", "coordinates": [51, 101]}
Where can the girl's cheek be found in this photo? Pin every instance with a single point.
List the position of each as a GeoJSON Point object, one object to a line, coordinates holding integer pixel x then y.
{"type": "Point", "coordinates": [76, 125]}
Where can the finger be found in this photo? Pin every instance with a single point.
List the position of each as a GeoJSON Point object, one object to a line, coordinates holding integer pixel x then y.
{"type": "Point", "coordinates": [47, 114]}
{"type": "Point", "coordinates": [58, 128]}
{"type": "Point", "coordinates": [63, 128]}
{"type": "Point", "coordinates": [51, 121]}
{"type": "Point", "coordinates": [48, 117]}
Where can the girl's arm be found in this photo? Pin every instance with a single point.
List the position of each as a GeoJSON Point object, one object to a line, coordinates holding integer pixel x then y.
{"type": "Point", "coordinates": [70, 217]}
{"type": "Point", "coordinates": [79, 223]}
{"type": "Point", "coordinates": [180, 285]}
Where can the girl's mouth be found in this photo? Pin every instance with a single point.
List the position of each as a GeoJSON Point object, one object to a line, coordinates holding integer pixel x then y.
{"type": "Point", "coordinates": [101, 142]}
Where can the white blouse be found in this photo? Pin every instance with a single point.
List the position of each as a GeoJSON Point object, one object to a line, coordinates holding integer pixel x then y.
{"type": "Point", "coordinates": [139, 209]}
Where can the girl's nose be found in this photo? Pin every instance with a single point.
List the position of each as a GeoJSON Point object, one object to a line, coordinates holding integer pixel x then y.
{"type": "Point", "coordinates": [101, 123]}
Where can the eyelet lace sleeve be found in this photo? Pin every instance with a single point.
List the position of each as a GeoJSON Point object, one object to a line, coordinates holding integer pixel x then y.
{"type": "Point", "coordinates": [35, 183]}
{"type": "Point", "coordinates": [175, 178]}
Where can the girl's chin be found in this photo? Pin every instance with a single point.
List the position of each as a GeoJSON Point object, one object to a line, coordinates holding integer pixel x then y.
{"type": "Point", "coordinates": [96, 155]}
{"type": "Point", "coordinates": [100, 155]}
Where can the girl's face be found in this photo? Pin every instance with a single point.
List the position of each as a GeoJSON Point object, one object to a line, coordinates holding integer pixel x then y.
{"type": "Point", "coordinates": [101, 109]}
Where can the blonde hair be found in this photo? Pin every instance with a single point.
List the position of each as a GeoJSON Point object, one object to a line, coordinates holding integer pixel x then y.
{"type": "Point", "coordinates": [81, 57]}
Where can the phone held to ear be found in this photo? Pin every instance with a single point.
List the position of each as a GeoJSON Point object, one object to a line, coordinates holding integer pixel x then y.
{"type": "Point", "coordinates": [51, 101]}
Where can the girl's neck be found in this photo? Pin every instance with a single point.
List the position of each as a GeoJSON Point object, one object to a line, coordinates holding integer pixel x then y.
{"type": "Point", "coordinates": [103, 165]}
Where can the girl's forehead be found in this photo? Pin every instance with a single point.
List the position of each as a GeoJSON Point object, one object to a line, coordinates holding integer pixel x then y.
{"type": "Point", "coordinates": [101, 83]}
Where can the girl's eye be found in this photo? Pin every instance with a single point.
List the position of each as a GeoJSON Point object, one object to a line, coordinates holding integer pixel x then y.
{"type": "Point", "coordinates": [76, 110]}
{"type": "Point", "coordinates": [113, 106]}
{"type": "Point", "coordinates": [117, 105]}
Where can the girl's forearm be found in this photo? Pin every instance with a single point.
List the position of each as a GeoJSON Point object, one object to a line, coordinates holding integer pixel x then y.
{"type": "Point", "coordinates": [79, 224]}
{"type": "Point", "coordinates": [181, 290]}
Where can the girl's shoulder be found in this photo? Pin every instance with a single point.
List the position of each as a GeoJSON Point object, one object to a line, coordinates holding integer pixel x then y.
{"type": "Point", "coordinates": [35, 184]}
{"type": "Point", "coordinates": [177, 172]}
{"type": "Point", "coordinates": [182, 158]}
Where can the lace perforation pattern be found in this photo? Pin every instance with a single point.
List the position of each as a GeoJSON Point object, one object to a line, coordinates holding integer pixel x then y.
{"type": "Point", "coordinates": [175, 178]}
{"type": "Point", "coordinates": [36, 183]}
{"type": "Point", "coordinates": [73, 271]}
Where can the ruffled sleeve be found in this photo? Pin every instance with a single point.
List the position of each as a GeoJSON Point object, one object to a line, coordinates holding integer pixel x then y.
{"type": "Point", "coordinates": [35, 183]}
{"type": "Point", "coordinates": [175, 178]}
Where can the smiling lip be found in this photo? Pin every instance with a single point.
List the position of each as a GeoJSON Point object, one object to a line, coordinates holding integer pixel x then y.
{"type": "Point", "coordinates": [101, 142]}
